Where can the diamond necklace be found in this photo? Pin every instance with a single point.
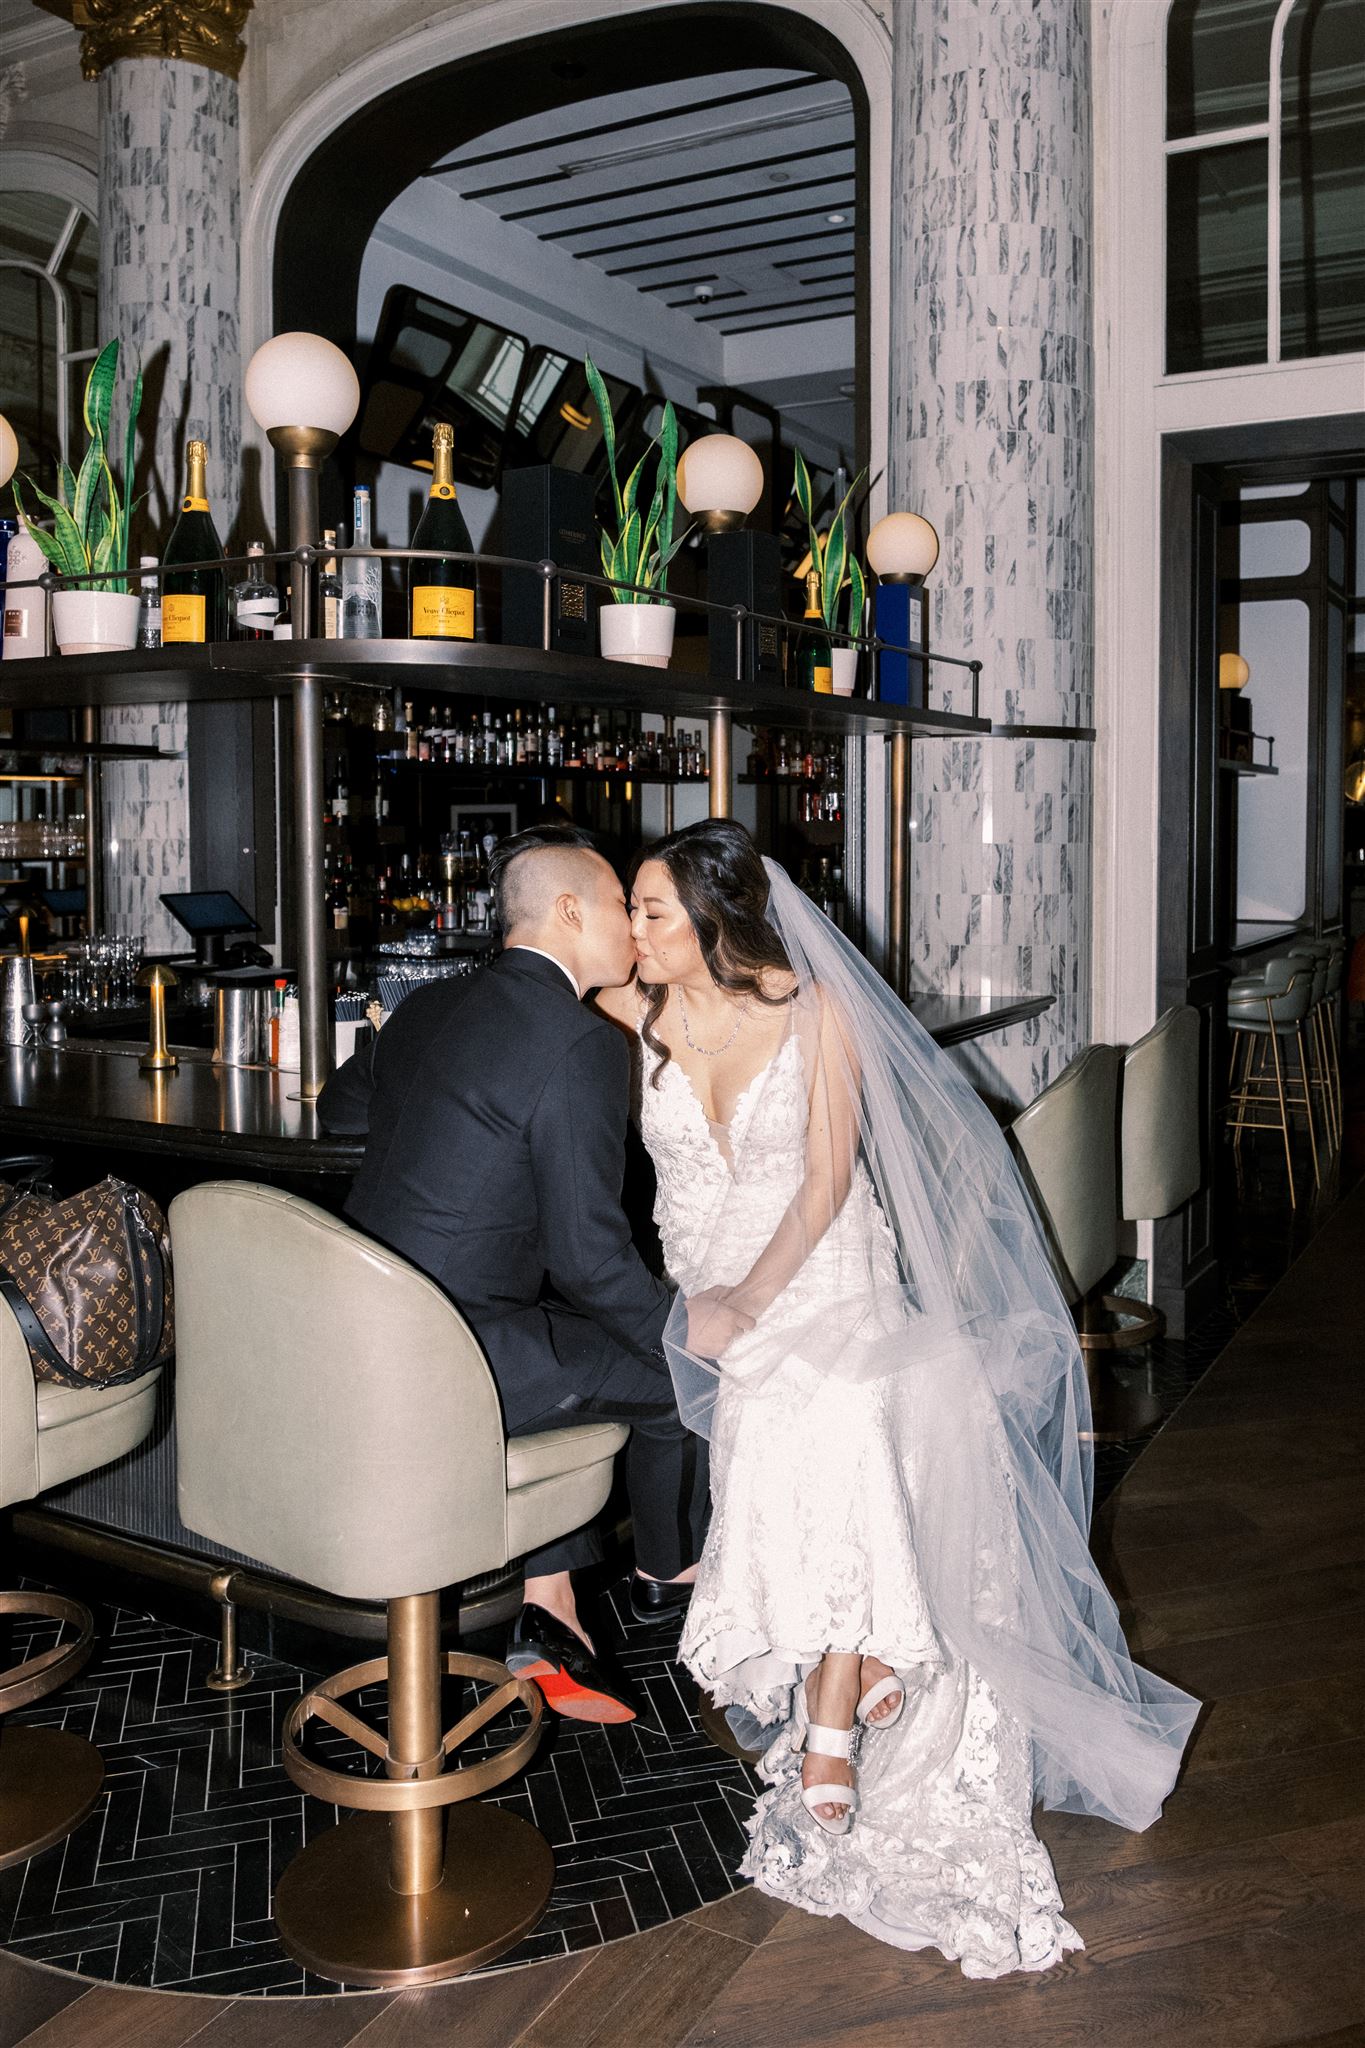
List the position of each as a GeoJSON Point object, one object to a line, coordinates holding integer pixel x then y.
{"type": "Point", "coordinates": [708, 1052]}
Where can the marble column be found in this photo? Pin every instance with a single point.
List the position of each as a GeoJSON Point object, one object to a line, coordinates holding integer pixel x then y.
{"type": "Point", "coordinates": [170, 226]}
{"type": "Point", "coordinates": [992, 438]}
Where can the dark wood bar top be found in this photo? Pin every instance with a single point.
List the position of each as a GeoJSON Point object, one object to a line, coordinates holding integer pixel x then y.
{"type": "Point", "coordinates": [250, 1117]}
{"type": "Point", "coordinates": [235, 1117]}
{"type": "Point", "coordinates": [951, 1020]}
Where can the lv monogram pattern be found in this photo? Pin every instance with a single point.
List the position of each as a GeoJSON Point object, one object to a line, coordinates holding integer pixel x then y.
{"type": "Point", "coordinates": [95, 1269]}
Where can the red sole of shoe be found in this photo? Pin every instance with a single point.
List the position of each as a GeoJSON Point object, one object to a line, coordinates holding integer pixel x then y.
{"type": "Point", "coordinates": [576, 1702]}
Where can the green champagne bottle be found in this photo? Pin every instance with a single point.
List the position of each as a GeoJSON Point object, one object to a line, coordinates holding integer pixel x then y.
{"type": "Point", "coordinates": [816, 669]}
{"type": "Point", "coordinates": [194, 601]}
{"type": "Point", "coordinates": [441, 593]}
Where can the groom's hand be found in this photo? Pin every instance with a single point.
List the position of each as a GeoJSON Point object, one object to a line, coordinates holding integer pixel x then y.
{"type": "Point", "coordinates": [713, 1322]}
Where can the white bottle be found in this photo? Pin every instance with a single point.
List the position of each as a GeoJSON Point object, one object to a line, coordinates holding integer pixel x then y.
{"type": "Point", "coordinates": [25, 610]}
{"type": "Point", "coordinates": [149, 605]}
{"type": "Point", "coordinates": [290, 1060]}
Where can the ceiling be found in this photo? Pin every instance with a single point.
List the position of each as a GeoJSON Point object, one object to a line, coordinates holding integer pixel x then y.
{"type": "Point", "coordinates": [728, 198]}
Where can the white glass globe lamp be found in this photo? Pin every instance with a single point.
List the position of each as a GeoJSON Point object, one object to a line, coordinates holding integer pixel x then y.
{"type": "Point", "coordinates": [720, 480]}
{"type": "Point", "coordinates": [902, 548]}
{"type": "Point", "coordinates": [1233, 672]}
{"type": "Point", "coordinates": [9, 451]}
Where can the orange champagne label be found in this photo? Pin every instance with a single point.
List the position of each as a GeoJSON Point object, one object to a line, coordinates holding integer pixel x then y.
{"type": "Point", "coordinates": [438, 613]}
{"type": "Point", "coordinates": [182, 617]}
{"type": "Point", "coordinates": [822, 679]}
{"type": "Point", "coordinates": [194, 504]}
{"type": "Point", "coordinates": [442, 491]}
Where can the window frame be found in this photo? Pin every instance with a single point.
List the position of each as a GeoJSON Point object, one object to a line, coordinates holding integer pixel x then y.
{"type": "Point", "coordinates": [66, 356]}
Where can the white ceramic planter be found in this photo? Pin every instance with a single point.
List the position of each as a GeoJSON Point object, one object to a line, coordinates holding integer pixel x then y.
{"type": "Point", "coordinates": [642, 633]}
{"type": "Point", "coordinates": [94, 621]}
{"type": "Point", "coordinates": [844, 662]}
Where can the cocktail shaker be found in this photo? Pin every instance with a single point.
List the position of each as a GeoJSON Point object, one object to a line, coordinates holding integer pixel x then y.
{"type": "Point", "coordinates": [16, 989]}
{"type": "Point", "coordinates": [238, 1020]}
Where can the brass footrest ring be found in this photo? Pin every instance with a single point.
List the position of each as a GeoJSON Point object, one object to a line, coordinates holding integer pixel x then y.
{"type": "Point", "coordinates": [411, 1794]}
{"type": "Point", "coordinates": [37, 1676]}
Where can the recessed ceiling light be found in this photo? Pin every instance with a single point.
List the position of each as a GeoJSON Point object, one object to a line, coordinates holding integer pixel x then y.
{"type": "Point", "coordinates": [836, 220]}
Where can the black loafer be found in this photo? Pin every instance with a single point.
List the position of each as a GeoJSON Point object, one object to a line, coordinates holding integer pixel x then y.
{"type": "Point", "coordinates": [575, 1682]}
{"type": "Point", "coordinates": [653, 1600]}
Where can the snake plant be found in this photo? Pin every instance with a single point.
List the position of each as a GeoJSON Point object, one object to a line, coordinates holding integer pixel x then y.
{"type": "Point", "coordinates": [642, 547]}
{"type": "Point", "coordinates": [90, 513]}
{"type": "Point", "coordinates": [838, 566]}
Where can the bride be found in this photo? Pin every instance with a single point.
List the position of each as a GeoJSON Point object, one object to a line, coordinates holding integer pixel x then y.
{"type": "Point", "coordinates": [867, 1328]}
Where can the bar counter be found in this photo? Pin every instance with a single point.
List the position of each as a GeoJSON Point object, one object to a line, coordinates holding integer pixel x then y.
{"type": "Point", "coordinates": [239, 1119]}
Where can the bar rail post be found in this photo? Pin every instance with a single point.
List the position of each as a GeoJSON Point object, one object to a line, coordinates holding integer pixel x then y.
{"type": "Point", "coordinates": [720, 773]}
{"type": "Point", "coordinates": [897, 865]}
{"type": "Point", "coordinates": [94, 829]}
{"type": "Point", "coordinates": [315, 1023]}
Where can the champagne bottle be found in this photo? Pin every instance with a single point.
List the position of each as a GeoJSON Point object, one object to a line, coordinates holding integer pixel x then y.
{"type": "Point", "coordinates": [816, 669]}
{"type": "Point", "coordinates": [194, 601]}
{"type": "Point", "coordinates": [441, 593]}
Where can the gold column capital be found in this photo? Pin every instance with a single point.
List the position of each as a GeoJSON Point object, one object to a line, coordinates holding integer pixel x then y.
{"type": "Point", "coordinates": [207, 32]}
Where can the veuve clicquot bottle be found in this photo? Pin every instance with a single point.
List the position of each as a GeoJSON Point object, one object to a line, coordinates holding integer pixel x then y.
{"type": "Point", "coordinates": [816, 669]}
{"type": "Point", "coordinates": [441, 593]}
{"type": "Point", "coordinates": [194, 601]}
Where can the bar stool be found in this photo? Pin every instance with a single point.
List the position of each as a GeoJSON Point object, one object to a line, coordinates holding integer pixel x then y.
{"type": "Point", "coordinates": [336, 1419]}
{"type": "Point", "coordinates": [1159, 1162]}
{"type": "Point", "coordinates": [1316, 954]}
{"type": "Point", "coordinates": [50, 1778]}
{"type": "Point", "coordinates": [1066, 1142]}
{"type": "Point", "coordinates": [1265, 1009]}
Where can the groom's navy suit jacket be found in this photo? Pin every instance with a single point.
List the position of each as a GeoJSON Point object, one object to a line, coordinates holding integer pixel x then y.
{"type": "Point", "coordinates": [495, 1108]}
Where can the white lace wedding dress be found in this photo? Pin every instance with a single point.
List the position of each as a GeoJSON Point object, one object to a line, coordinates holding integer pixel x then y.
{"type": "Point", "coordinates": [812, 1548]}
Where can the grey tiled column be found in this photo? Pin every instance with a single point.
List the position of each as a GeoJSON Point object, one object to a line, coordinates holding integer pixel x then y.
{"type": "Point", "coordinates": [992, 438]}
{"type": "Point", "coordinates": [170, 205]}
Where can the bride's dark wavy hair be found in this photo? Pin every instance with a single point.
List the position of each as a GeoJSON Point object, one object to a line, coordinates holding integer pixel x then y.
{"type": "Point", "coordinates": [721, 883]}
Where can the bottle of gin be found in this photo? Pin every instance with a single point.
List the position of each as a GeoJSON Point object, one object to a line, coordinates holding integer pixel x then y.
{"type": "Point", "coordinates": [194, 601]}
{"type": "Point", "coordinates": [441, 591]}
{"type": "Point", "coordinates": [361, 590]}
{"type": "Point", "coordinates": [255, 604]}
{"type": "Point", "coordinates": [149, 605]}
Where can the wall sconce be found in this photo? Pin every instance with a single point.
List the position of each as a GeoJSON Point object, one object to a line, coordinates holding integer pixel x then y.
{"type": "Point", "coordinates": [1233, 672]}
{"type": "Point", "coordinates": [720, 480]}
{"type": "Point", "coordinates": [304, 392]}
{"type": "Point", "coordinates": [902, 549]}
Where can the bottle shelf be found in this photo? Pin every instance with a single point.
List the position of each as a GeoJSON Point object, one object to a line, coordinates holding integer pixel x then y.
{"type": "Point", "coordinates": [223, 671]}
{"type": "Point", "coordinates": [476, 772]}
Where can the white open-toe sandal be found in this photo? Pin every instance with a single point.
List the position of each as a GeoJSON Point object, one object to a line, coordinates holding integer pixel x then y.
{"type": "Point", "coordinates": [817, 1740]}
{"type": "Point", "coordinates": [875, 1694]}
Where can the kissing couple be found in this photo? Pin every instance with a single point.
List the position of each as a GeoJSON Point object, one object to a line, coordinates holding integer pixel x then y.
{"type": "Point", "coordinates": [859, 1461]}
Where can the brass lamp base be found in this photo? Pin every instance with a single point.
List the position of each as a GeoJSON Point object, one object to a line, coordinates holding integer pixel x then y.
{"type": "Point", "coordinates": [339, 1916]}
{"type": "Point", "coordinates": [49, 1782]}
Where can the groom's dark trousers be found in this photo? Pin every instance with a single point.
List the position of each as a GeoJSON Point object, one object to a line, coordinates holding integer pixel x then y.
{"type": "Point", "coordinates": [494, 1108]}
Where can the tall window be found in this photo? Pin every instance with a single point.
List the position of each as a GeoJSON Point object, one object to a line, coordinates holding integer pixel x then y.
{"type": "Point", "coordinates": [48, 302]}
{"type": "Point", "coordinates": [1265, 181]}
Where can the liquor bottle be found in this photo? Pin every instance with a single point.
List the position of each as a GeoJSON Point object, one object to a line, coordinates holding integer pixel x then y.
{"type": "Point", "coordinates": [25, 611]}
{"type": "Point", "coordinates": [412, 739]}
{"type": "Point", "coordinates": [361, 586]}
{"type": "Point", "coordinates": [816, 669]}
{"type": "Point", "coordinates": [533, 737]}
{"type": "Point", "coordinates": [341, 798]}
{"type": "Point", "coordinates": [149, 605]}
{"type": "Point", "coordinates": [338, 902]}
{"type": "Point", "coordinates": [194, 601]}
{"type": "Point", "coordinates": [552, 753]}
{"type": "Point", "coordinates": [441, 592]}
{"type": "Point", "coordinates": [330, 592]}
{"type": "Point", "coordinates": [255, 604]}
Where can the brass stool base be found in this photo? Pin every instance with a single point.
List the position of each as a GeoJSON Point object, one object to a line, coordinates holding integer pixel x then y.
{"type": "Point", "coordinates": [338, 1916]}
{"type": "Point", "coordinates": [49, 1782]}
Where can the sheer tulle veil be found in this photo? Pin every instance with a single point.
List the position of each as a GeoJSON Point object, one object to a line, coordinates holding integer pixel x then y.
{"type": "Point", "coordinates": [972, 1352]}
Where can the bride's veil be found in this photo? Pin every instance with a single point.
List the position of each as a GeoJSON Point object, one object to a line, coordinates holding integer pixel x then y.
{"type": "Point", "coordinates": [910, 1267]}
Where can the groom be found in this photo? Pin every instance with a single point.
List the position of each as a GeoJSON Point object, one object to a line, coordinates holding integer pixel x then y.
{"type": "Point", "coordinates": [495, 1110]}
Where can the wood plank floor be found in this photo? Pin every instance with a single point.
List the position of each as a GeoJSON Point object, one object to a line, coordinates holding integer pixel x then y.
{"type": "Point", "coordinates": [1236, 1546]}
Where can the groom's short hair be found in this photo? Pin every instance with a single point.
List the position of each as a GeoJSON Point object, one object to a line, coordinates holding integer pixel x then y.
{"type": "Point", "coordinates": [515, 896]}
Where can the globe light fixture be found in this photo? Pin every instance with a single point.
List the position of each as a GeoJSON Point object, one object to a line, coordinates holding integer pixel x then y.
{"type": "Point", "coordinates": [9, 451]}
{"type": "Point", "coordinates": [902, 548]}
{"type": "Point", "coordinates": [1233, 672]}
{"type": "Point", "coordinates": [304, 392]}
{"type": "Point", "coordinates": [720, 480]}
